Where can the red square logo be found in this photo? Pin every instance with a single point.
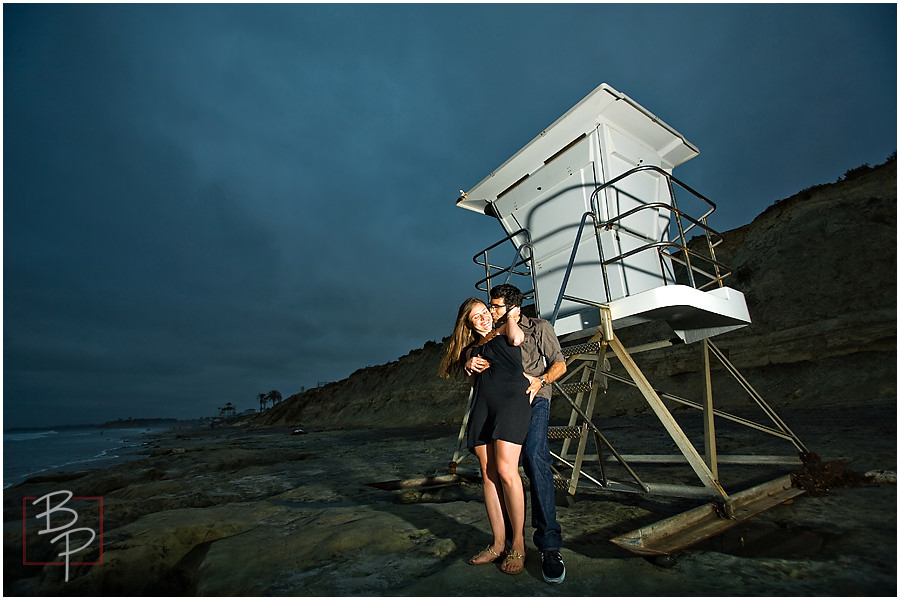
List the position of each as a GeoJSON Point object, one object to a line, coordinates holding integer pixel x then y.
{"type": "Point", "coordinates": [62, 529]}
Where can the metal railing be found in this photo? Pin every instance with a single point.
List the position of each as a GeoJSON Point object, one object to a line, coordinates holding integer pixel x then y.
{"type": "Point", "coordinates": [676, 250]}
{"type": "Point", "coordinates": [494, 271]}
{"type": "Point", "coordinates": [680, 253]}
{"type": "Point", "coordinates": [701, 268]}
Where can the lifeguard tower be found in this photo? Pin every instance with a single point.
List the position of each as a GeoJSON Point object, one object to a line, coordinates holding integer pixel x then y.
{"type": "Point", "coordinates": [601, 239]}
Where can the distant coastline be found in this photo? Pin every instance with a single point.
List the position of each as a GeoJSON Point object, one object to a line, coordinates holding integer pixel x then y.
{"type": "Point", "coordinates": [116, 424]}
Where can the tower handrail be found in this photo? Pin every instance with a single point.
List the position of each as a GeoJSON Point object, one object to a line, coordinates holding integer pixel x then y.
{"type": "Point", "coordinates": [481, 259]}
{"type": "Point", "coordinates": [681, 254]}
{"type": "Point", "coordinates": [660, 248]}
{"type": "Point", "coordinates": [680, 216]}
{"type": "Point", "coordinates": [669, 177]}
{"type": "Point", "coordinates": [676, 250]}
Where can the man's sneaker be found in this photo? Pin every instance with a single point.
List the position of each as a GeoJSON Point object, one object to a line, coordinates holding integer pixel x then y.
{"type": "Point", "coordinates": [552, 567]}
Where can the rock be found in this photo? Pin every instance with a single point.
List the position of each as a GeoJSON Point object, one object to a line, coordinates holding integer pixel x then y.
{"type": "Point", "coordinates": [258, 512]}
{"type": "Point", "coordinates": [881, 476]}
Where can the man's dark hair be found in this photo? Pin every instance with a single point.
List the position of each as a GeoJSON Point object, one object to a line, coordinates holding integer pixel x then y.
{"type": "Point", "coordinates": [511, 295]}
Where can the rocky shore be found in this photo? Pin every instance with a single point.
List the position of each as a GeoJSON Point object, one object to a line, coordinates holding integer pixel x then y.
{"type": "Point", "coordinates": [263, 511]}
{"type": "Point", "coordinates": [262, 507]}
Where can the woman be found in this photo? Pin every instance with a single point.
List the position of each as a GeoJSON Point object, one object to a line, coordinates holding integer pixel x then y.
{"type": "Point", "coordinates": [498, 422]}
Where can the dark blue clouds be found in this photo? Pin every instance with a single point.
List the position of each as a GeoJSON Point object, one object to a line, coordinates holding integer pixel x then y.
{"type": "Point", "coordinates": [203, 202]}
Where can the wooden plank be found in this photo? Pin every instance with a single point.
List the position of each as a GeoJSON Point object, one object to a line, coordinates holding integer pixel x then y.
{"type": "Point", "coordinates": [688, 528]}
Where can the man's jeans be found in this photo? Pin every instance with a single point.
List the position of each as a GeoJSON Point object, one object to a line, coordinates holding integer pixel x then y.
{"type": "Point", "coordinates": [536, 460]}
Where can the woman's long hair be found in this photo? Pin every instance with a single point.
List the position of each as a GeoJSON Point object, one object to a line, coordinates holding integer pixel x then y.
{"type": "Point", "coordinates": [462, 336]}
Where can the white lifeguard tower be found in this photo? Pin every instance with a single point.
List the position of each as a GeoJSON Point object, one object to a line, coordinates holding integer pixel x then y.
{"type": "Point", "coordinates": [601, 234]}
{"type": "Point", "coordinates": [602, 175]}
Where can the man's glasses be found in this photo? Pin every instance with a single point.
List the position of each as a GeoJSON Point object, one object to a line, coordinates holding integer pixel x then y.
{"type": "Point", "coordinates": [496, 306]}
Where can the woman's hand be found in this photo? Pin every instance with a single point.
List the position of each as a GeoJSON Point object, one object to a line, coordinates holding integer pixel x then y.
{"type": "Point", "coordinates": [476, 364]}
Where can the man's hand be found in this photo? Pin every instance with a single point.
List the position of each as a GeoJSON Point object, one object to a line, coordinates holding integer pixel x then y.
{"type": "Point", "coordinates": [534, 386]}
{"type": "Point", "coordinates": [476, 364]}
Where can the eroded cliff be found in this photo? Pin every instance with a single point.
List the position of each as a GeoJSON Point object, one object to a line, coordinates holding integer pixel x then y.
{"type": "Point", "coordinates": [818, 269]}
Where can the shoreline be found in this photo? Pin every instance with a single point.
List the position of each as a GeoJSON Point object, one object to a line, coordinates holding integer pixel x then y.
{"type": "Point", "coordinates": [117, 445]}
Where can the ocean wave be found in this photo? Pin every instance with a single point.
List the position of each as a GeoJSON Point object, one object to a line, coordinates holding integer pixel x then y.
{"type": "Point", "coordinates": [108, 455]}
{"type": "Point", "coordinates": [28, 436]}
{"type": "Point", "coordinates": [37, 453]}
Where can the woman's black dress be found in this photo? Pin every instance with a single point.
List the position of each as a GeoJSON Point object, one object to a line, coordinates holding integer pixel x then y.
{"type": "Point", "coordinates": [500, 406]}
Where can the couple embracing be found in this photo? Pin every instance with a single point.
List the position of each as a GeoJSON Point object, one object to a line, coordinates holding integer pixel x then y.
{"type": "Point", "coordinates": [512, 360]}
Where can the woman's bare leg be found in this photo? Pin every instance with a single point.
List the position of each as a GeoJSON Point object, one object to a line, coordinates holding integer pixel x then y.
{"type": "Point", "coordinates": [506, 457]}
{"type": "Point", "coordinates": [493, 495]}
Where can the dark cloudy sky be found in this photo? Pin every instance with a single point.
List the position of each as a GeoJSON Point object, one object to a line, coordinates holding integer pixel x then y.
{"type": "Point", "coordinates": [205, 202]}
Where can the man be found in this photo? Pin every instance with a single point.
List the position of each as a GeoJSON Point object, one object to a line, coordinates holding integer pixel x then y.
{"type": "Point", "coordinates": [543, 363]}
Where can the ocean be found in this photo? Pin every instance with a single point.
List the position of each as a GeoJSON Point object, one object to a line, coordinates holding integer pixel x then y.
{"type": "Point", "coordinates": [41, 452]}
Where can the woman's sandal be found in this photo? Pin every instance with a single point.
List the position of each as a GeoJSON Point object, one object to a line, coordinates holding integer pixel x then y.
{"type": "Point", "coordinates": [513, 563]}
{"type": "Point", "coordinates": [484, 557]}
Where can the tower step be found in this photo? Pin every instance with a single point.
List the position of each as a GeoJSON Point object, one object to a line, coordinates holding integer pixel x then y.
{"type": "Point", "coordinates": [562, 433]}
{"type": "Point", "coordinates": [561, 484]}
{"type": "Point", "coordinates": [577, 387]}
{"type": "Point", "coordinates": [589, 348]}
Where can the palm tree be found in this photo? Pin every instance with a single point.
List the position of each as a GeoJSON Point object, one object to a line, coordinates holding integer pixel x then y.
{"type": "Point", "coordinates": [227, 410]}
{"type": "Point", "coordinates": [263, 399]}
{"type": "Point", "coordinates": [274, 397]}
